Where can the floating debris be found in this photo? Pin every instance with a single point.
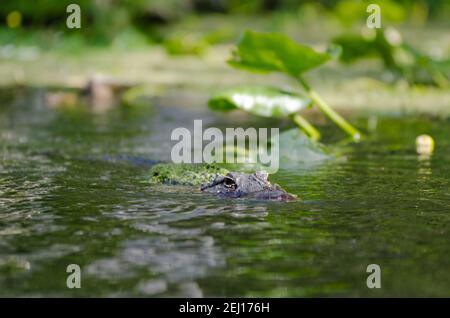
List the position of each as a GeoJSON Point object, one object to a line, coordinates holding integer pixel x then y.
{"type": "Point", "coordinates": [424, 145]}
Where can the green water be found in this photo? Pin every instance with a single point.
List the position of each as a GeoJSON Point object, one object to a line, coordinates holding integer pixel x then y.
{"type": "Point", "coordinates": [64, 201]}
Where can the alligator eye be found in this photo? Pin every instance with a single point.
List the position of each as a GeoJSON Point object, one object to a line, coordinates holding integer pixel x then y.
{"type": "Point", "coordinates": [229, 183]}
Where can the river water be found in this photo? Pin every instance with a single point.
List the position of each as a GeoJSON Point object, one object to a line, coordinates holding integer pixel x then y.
{"type": "Point", "coordinates": [64, 200]}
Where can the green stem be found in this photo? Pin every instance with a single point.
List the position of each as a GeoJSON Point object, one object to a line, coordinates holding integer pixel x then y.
{"type": "Point", "coordinates": [329, 112]}
{"type": "Point", "coordinates": [309, 129]}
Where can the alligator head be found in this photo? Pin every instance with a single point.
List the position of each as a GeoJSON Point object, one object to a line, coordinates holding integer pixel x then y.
{"type": "Point", "coordinates": [255, 185]}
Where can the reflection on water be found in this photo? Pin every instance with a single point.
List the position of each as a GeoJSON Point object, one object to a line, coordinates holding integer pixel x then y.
{"type": "Point", "coordinates": [382, 204]}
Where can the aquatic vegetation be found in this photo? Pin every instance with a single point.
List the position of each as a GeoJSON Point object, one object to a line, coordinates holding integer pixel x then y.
{"type": "Point", "coordinates": [260, 100]}
{"type": "Point", "coordinates": [274, 52]}
{"type": "Point", "coordinates": [266, 102]}
{"type": "Point", "coordinates": [185, 174]}
{"type": "Point", "coordinates": [295, 147]}
{"type": "Point", "coordinates": [400, 58]}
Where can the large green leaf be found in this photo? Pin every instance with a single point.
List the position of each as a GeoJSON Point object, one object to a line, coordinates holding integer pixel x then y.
{"type": "Point", "coordinates": [269, 52]}
{"type": "Point", "coordinates": [259, 100]}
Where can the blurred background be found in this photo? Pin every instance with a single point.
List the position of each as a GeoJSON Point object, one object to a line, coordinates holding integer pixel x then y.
{"type": "Point", "coordinates": [108, 22]}
{"type": "Point", "coordinates": [161, 43]}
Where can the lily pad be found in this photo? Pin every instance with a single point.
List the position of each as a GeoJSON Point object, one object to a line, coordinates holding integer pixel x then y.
{"type": "Point", "coordinates": [259, 100]}
{"type": "Point", "coordinates": [295, 147]}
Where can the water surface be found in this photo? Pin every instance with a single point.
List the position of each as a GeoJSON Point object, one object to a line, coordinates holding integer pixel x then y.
{"type": "Point", "coordinates": [67, 197]}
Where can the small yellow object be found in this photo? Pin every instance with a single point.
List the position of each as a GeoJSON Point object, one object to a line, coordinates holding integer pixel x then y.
{"type": "Point", "coordinates": [14, 19]}
{"type": "Point", "coordinates": [424, 145]}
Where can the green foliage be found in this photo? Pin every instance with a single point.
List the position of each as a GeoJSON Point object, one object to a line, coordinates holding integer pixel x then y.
{"type": "Point", "coordinates": [103, 20]}
{"type": "Point", "coordinates": [400, 58]}
{"type": "Point", "coordinates": [269, 52]}
{"type": "Point", "coordinates": [259, 100]}
{"type": "Point", "coordinates": [274, 52]}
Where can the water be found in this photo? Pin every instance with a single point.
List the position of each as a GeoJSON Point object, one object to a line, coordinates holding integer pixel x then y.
{"type": "Point", "coordinates": [62, 203]}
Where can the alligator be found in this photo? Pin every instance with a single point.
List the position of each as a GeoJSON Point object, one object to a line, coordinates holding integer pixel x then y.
{"type": "Point", "coordinates": [212, 178]}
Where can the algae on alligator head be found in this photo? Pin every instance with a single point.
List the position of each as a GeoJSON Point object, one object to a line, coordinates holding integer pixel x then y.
{"type": "Point", "coordinates": [185, 173]}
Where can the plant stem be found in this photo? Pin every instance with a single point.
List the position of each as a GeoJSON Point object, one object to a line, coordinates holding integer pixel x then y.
{"type": "Point", "coordinates": [309, 129]}
{"type": "Point", "coordinates": [329, 112]}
